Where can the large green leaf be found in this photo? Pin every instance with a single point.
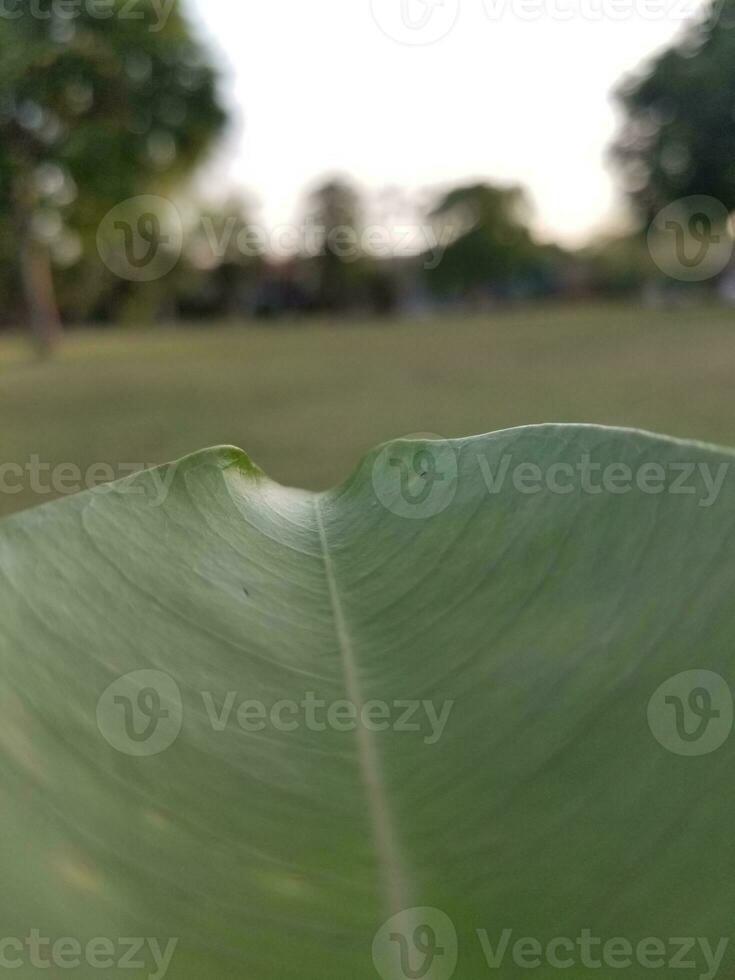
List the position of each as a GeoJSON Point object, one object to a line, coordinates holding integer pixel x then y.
{"type": "Point", "coordinates": [560, 796]}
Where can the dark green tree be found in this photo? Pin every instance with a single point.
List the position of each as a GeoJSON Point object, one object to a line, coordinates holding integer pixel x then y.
{"type": "Point", "coordinates": [490, 242]}
{"type": "Point", "coordinates": [678, 138]}
{"type": "Point", "coordinates": [93, 110]}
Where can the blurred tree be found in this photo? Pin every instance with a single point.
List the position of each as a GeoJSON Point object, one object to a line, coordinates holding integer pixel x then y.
{"type": "Point", "coordinates": [93, 110]}
{"type": "Point", "coordinates": [224, 255]}
{"type": "Point", "coordinates": [678, 138]}
{"type": "Point", "coordinates": [333, 232]}
{"type": "Point", "coordinates": [615, 266]}
{"type": "Point", "coordinates": [490, 242]}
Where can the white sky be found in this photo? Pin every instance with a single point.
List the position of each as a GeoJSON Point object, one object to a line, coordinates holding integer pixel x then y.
{"type": "Point", "coordinates": [320, 90]}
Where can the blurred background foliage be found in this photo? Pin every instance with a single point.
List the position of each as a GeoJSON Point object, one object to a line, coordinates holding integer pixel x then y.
{"type": "Point", "coordinates": [92, 111]}
{"type": "Point", "coordinates": [96, 111]}
{"type": "Point", "coordinates": [678, 138]}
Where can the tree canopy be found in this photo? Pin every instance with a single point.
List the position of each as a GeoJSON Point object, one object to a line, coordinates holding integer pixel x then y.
{"type": "Point", "coordinates": [678, 137]}
{"type": "Point", "coordinates": [492, 242]}
{"type": "Point", "coordinates": [93, 110]}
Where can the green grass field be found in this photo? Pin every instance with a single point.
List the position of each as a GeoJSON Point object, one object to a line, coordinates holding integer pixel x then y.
{"type": "Point", "coordinates": [307, 401]}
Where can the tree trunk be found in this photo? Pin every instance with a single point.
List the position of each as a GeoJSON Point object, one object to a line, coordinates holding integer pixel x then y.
{"type": "Point", "coordinates": [36, 276]}
{"type": "Point", "coordinates": [39, 293]}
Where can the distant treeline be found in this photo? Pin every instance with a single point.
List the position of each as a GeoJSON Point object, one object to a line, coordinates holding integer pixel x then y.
{"type": "Point", "coordinates": [151, 260]}
{"type": "Point", "coordinates": [103, 122]}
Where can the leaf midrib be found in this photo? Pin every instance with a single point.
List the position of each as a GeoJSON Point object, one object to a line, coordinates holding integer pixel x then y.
{"type": "Point", "coordinates": [394, 878]}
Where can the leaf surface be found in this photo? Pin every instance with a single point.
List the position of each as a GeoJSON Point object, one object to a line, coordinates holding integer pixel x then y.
{"type": "Point", "coordinates": [547, 620]}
